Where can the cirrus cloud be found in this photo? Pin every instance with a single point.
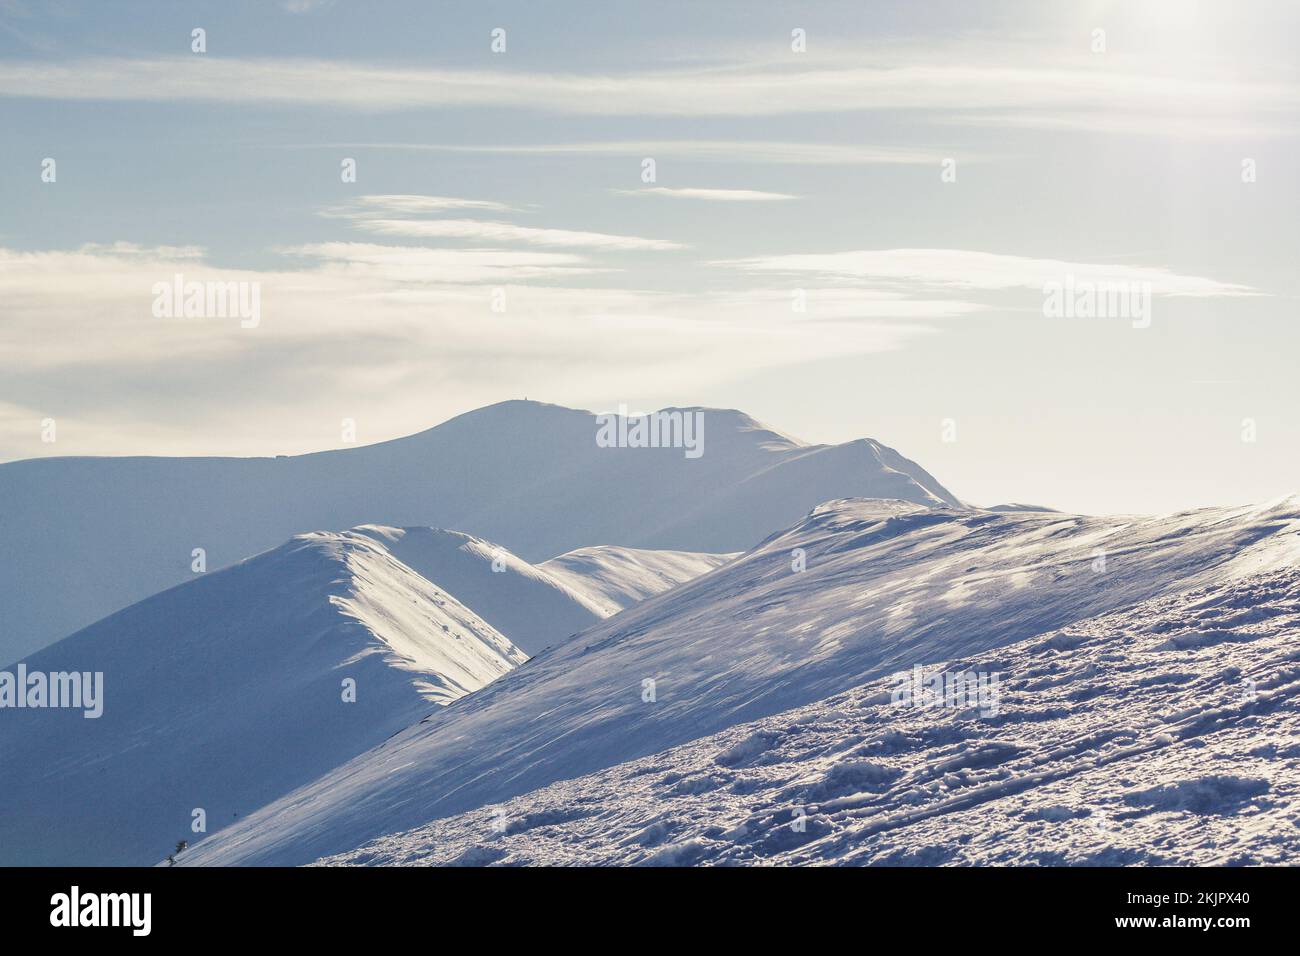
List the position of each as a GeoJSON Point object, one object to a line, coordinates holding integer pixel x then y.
{"type": "Point", "coordinates": [965, 269]}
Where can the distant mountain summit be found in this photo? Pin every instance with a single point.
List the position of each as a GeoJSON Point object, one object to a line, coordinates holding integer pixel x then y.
{"type": "Point", "coordinates": [84, 537]}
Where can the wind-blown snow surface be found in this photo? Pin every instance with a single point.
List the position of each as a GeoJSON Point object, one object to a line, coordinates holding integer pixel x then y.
{"type": "Point", "coordinates": [83, 537]}
{"type": "Point", "coordinates": [529, 605]}
{"type": "Point", "coordinates": [1164, 734]}
{"type": "Point", "coordinates": [887, 585]}
{"type": "Point", "coordinates": [616, 578]}
{"type": "Point", "coordinates": [227, 692]}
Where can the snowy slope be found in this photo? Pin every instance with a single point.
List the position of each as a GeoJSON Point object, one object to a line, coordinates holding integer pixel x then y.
{"type": "Point", "coordinates": [1164, 734]}
{"type": "Point", "coordinates": [887, 585]}
{"type": "Point", "coordinates": [526, 475]}
{"type": "Point", "coordinates": [227, 692]}
{"type": "Point", "coordinates": [616, 578]}
{"type": "Point", "coordinates": [528, 604]}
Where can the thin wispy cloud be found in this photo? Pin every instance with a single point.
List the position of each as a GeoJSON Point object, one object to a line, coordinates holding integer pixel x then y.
{"type": "Point", "coordinates": [371, 319]}
{"type": "Point", "coordinates": [711, 195]}
{"type": "Point", "coordinates": [966, 269]}
{"type": "Point", "coordinates": [367, 213]}
{"type": "Point", "coordinates": [842, 302]}
{"type": "Point", "coordinates": [1190, 125]}
{"type": "Point", "coordinates": [425, 265]}
{"type": "Point", "coordinates": [367, 206]}
{"type": "Point", "coordinates": [481, 231]}
{"type": "Point", "coordinates": [959, 79]}
{"type": "Point", "coordinates": [810, 153]}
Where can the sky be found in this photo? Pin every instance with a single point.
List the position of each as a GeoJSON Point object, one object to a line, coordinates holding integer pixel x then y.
{"type": "Point", "coordinates": [855, 213]}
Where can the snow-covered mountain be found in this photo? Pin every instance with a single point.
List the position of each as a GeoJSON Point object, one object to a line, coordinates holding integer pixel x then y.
{"type": "Point", "coordinates": [616, 578]}
{"type": "Point", "coordinates": [226, 692]}
{"type": "Point", "coordinates": [856, 591]}
{"type": "Point", "coordinates": [84, 537]}
{"type": "Point", "coordinates": [1164, 734]}
{"type": "Point", "coordinates": [529, 605]}
{"type": "Point", "coordinates": [539, 605]}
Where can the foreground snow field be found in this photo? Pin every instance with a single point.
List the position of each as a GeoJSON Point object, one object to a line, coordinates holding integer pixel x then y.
{"type": "Point", "coordinates": [1166, 733]}
{"type": "Point", "coordinates": [884, 587]}
{"type": "Point", "coordinates": [226, 692]}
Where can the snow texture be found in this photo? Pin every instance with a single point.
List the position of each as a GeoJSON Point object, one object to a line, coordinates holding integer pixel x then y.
{"type": "Point", "coordinates": [616, 578]}
{"type": "Point", "coordinates": [887, 586]}
{"type": "Point", "coordinates": [1125, 739]}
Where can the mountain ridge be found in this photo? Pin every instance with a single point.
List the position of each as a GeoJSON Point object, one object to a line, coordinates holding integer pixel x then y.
{"type": "Point", "coordinates": [226, 691]}
{"type": "Point", "coordinates": [884, 586]}
{"type": "Point", "coordinates": [526, 475]}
